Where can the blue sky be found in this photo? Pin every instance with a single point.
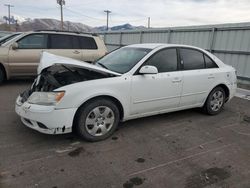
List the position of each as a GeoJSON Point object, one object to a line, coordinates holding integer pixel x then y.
{"type": "Point", "coordinates": [163, 13]}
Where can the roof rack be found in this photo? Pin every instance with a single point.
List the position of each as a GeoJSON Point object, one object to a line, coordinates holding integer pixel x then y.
{"type": "Point", "coordinates": [77, 32]}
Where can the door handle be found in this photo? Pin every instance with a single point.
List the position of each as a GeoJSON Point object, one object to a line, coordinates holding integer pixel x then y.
{"type": "Point", "coordinates": [176, 80]}
{"type": "Point", "coordinates": [210, 76]}
{"type": "Point", "coordinates": [76, 52]}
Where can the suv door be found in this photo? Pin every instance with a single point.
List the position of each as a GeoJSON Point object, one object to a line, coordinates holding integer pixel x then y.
{"type": "Point", "coordinates": [25, 59]}
{"type": "Point", "coordinates": [157, 92]}
{"type": "Point", "coordinates": [89, 49]}
{"type": "Point", "coordinates": [65, 45]}
{"type": "Point", "coordinates": [199, 73]}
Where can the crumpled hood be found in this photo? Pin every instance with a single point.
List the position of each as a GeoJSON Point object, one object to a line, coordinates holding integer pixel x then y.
{"type": "Point", "coordinates": [48, 59]}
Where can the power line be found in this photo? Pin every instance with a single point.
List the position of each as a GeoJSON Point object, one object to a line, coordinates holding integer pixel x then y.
{"type": "Point", "coordinates": [128, 21]}
{"type": "Point", "coordinates": [101, 20]}
{"type": "Point", "coordinates": [75, 12]}
{"type": "Point", "coordinates": [108, 12]}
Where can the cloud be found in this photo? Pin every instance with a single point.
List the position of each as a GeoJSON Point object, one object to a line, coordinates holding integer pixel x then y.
{"type": "Point", "coordinates": [163, 13]}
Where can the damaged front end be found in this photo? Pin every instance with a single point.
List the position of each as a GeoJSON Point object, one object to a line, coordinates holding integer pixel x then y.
{"type": "Point", "coordinates": [56, 71]}
{"type": "Point", "coordinates": [37, 105]}
{"type": "Point", "coordinates": [60, 75]}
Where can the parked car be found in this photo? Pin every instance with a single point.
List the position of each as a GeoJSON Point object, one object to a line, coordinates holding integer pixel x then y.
{"type": "Point", "coordinates": [131, 82]}
{"type": "Point", "coordinates": [20, 56]}
{"type": "Point", "coordinates": [4, 33]}
{"type": "Point", "coordinates": [8, 37]}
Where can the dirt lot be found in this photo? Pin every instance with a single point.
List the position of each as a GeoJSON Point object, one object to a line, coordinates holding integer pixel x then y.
{"type": "Point", "coordinates": [185, 149]}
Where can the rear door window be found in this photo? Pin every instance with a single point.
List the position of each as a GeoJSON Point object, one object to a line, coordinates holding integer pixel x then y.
{"type": "Point", "coordinates": [87, 43]}
{"type": "Point", "coordinates": [209, 62]}
{"type": "Point", "coordinates": [192, 59]}
{"type": "Point", "coordinates": [58, 41]}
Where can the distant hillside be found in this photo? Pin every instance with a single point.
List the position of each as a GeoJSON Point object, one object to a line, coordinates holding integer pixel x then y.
{"type": "Point", "coordinates": [50, 24]}
{"type": "Point", "coordinates": [53, 24]}
{"type": "Point", "coordinates": [119, 27]}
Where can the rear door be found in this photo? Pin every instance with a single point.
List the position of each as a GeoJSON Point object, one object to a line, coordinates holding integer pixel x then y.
{"type": "Point", "coordinates": [65, 45]}
{"type": "Point", "coordinates": [89, 47]}
{"type": "Point", "coordinates": [199, 73]}
{"type": "Point", "coordinates": [25, 59]}
{"type": "Point", "coordinates": [157, 92]}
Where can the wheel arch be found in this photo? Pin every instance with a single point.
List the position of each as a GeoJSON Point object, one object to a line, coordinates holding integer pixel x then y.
{"type": "Point", "coordinates": [4, 70]}
{"type": "Point", "coordinates": [113, 99]}
{"type": "Point", "coordinates": [225, 88]}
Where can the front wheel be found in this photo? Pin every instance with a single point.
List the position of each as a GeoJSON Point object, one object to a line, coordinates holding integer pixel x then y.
{"type": "Point", "coordinates": [97, 120]}
{"type": "Point", "coordinates": [215, 101]}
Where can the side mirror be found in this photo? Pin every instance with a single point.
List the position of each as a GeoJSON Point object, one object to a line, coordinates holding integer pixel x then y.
{"type": "Point", "coordinates": [148, 70]}
{"type": "Point", "coordinates": [14, 46]}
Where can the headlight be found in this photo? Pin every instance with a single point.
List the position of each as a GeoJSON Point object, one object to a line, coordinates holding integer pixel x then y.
{"type": "Point", "coordinates": [46, 98]}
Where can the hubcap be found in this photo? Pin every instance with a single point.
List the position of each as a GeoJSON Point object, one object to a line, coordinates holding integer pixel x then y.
{"type": "Point", "coordinates": [217, 101]}
{"type": "Point", "coordinates": [99, 121]}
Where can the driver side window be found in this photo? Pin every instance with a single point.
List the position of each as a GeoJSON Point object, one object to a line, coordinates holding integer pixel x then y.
{"type": "Point", "coordinates": [164, 60]}
{"type": "Point", "coordinates": [34, 41]}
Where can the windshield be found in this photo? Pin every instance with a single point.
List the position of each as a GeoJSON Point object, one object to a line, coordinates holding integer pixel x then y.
{"type": "Point", "coordinates": [123, 60]}
{"type": "Point", "coordinates": [7, 38]}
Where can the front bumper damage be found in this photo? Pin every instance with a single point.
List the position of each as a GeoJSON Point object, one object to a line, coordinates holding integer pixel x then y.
{"type": "Point", "coordinates": [45, 119]}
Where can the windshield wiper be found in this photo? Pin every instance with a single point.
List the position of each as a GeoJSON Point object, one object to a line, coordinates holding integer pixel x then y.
{"type": "Point", "coordinates": [102, 65]}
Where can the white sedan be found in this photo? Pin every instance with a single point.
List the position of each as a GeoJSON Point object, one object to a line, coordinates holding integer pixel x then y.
{"type": "Point", "coordinates": [131, 82]}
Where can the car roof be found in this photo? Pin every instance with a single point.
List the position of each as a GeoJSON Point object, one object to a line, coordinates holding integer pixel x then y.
{"type": "Point", "coordinates": [157, 45]}
{"type": "Point", "coordinates": [62, 32]}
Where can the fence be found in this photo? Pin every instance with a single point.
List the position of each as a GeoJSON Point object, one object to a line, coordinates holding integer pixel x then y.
{"type": "Point", "coordinates": [229, 42]}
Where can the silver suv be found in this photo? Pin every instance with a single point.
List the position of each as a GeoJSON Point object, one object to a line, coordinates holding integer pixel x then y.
{"type": "Point", "coordinates": [20, 56]}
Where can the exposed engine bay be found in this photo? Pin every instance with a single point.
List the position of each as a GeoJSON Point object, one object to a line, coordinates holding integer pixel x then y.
{"type": "Point", "coordinates": [59, 75]}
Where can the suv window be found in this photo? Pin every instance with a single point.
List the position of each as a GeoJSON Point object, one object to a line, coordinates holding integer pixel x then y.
{"type": "Point", "coordinates": [209, 62]}
{"type": "Point", "coordinates": [192, 59]}
{"type": "Point", "coordinates": [58, 41]}
{"type": "Point", "coordinates": [34, 41]}
{"type": "Point", "coordinates": [164, 60]}
{"type": "Point", "coordinates": [88, 43]}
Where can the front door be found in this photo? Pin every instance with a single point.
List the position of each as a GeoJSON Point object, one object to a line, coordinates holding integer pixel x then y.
{"type": "Point", "coordinates": [157, 92]}
{"type": "Point", "coordinates": [25, 59]}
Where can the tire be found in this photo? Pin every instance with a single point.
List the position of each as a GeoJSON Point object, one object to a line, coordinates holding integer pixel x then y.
{"type": "Point", "coordinates": [97, 120]}
{"type": "Point", "coordinates": [2, 75]}
{"type": "Point", "coordinates": [215, 101]}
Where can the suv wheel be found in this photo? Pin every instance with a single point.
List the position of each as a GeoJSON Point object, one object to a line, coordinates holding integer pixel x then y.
{"type": "Point", "coordinates": [97, 120]}
{"type": "Point", "coordinates": [215, 101]}
{"type": "Point", "coordinates": [2, 75]}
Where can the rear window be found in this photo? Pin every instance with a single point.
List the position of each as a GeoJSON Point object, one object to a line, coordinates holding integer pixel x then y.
{"type": "Point", "coordinates": [87, 43]}
{"type": "Point", "coordinates": [64, 42]}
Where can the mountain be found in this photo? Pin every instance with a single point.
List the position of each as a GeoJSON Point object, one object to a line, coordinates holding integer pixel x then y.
{"type": "Point", "coordinates": [53, 24]}
{"type": "Point", "coordinates": [49, 24]}
{"type": "Point", "coordinates": [126, 26]}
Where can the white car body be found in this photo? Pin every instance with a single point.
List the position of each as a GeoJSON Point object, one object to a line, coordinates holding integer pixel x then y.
{"type": "Point", "coordinates": [137, 95]}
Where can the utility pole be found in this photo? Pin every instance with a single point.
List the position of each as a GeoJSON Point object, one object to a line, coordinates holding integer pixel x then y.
{"type": "Point", "coordinates": [108, 12]}
{"type": "Point", "coordinates": [9, 6]}
{"type": "Point", "coordinates": [148, 22]}
{"type": "Point", "coordinates": [61, 3]}
{"type": "Point", "coordinates": [16, 22]}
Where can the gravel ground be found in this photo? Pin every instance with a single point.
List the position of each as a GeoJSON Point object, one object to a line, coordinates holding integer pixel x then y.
{"type": "Point", "coordinates": [183, 149]}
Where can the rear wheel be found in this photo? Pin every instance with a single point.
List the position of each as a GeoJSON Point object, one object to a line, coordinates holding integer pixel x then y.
{"type": "Point", "coordinates": [215, 101]}
{"type": "Point", "coordinates": [97, 120]}
{"type": "Point", "coordinates": [2, 75]}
